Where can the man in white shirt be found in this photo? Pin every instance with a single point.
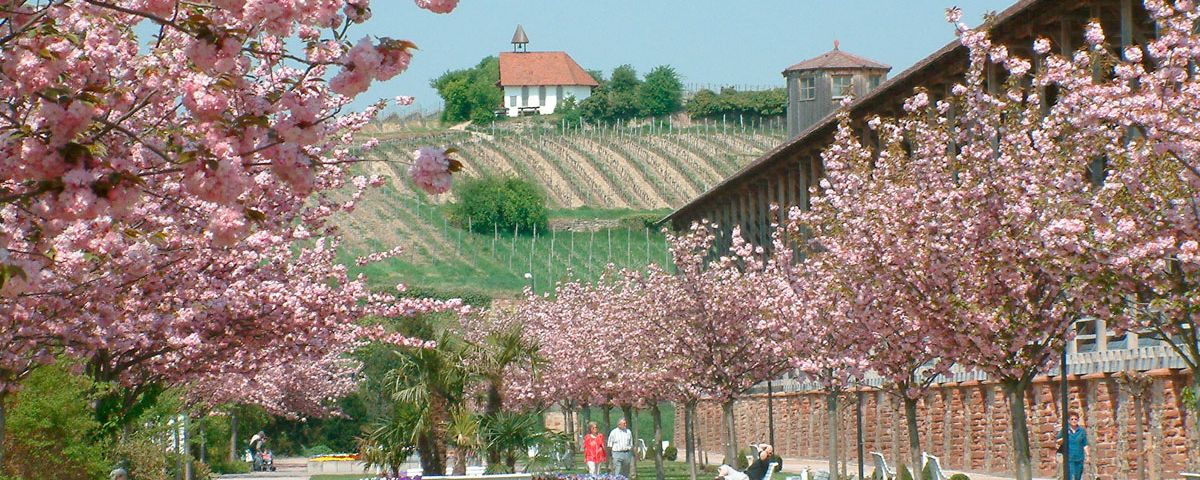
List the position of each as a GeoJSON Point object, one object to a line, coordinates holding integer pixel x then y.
{"type": "Point", "coordinates": [620, 440]}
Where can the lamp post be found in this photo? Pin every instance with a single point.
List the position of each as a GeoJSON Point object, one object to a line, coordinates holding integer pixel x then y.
{"type": "Point", "coordinates": [858, 419]}
{"type": "Point", "coordinates": [770, 414]}
{"type": "Point", "coordinates": [1066, 403]}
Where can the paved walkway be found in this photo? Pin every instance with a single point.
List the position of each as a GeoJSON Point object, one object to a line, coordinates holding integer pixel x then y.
{"type": "Point", "coordinates": [285, 469]}
{"type": "Point", "coordinates": [796, 465]}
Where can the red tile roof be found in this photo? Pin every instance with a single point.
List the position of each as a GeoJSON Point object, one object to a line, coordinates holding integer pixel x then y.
{"type": "Point", "coordinates": [835, 59]}
{"type": "Point", "coordinates": [542, 68]}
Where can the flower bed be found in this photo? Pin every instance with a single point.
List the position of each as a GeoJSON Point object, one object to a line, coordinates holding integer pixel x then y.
{"type": "Point", "coordinates": [341, 457]}
{"type": "Point", "coordinates": [577, 476]}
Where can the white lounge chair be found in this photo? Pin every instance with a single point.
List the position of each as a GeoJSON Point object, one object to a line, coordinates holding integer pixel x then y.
{"type": "Point", "coordinates": [935, 466]}
{"type": "Point", "coordinates": [882, 472]}
{"type": "Point", "coordinates": [770, 470]}
{"type": "Point", "coordinates": [1190, 476]}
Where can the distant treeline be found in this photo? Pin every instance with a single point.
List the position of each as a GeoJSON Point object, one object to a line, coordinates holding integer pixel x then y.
{"type": "Point", "coordinates": [732, 103]}
{"type": "Point", "coordinates": [471, 95]}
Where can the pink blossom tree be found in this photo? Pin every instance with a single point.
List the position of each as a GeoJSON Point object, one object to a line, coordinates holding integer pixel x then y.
{"type": "Point", "coordinates": [725, 336]}
{"type": "Point", "coordinates": [1142, 104]}
{"type": "Point", "coordinates": [152, 189]}
{"type": "Point", "coordinates": [1007, 206]}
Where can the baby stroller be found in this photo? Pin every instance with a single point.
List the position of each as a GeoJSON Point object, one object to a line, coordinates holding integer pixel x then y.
{"type": "Point", "coordinates": [268, 462]}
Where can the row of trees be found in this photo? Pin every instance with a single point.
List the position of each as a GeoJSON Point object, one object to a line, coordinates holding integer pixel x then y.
{"type": "Point", "coordinates": [971, 231]}
{"type": "Point", "coordinates": [624, 96]}
{"type": "Point", "coordinates": [167, 172]}
{"type": "Point", "coordinates": [730, 102]}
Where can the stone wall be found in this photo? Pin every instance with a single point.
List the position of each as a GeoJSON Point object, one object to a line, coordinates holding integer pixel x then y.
{"type": "Point", "coordinates": [1135, 422]}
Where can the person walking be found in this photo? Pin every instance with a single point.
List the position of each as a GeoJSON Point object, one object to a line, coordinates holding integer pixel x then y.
{"type": "Point", "coordinates": [593, 449]}
{"type": "Point", "coordinates": [257, 445]}
{"type": "Point", "coordinates": [620, 440]}
{"type": "Point", "coordinates": [1074, 449]}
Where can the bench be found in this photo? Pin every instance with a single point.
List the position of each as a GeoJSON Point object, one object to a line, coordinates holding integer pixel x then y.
{"type": "Point", "coordinates": [882, 472]}
{"type": "Point", "coordinates": [1190, 476]}
{"type": "Point", "coordinates": [522, 111]}
{"type": "Point", "coordinates": [935, 466]}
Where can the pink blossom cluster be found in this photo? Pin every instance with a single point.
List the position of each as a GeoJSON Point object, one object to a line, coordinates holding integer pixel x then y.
{"type": "Point", "coordinates": [165, 191]}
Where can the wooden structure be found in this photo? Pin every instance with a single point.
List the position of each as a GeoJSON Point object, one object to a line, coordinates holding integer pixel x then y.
{"type": "Point", "coordinates": [816, 86]}
{"type": "Point", "coordinates": [783, 175]}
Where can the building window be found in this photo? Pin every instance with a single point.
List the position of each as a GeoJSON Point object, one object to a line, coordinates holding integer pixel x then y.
{"type": "Point", "coordinates": [808, 88]}
{"type": "Point", "coordinates": [558, 96]}
{"type": "Point", "coordinates": [843, 85]}
{"type": "Point", "coordinates": [542, 95]}
{"type": "Point", "coordinates": [512, 101]}
{"type": "Point", "coordinates": [874, 81]}
{"type": "Point", "coordinates": [524, 96]}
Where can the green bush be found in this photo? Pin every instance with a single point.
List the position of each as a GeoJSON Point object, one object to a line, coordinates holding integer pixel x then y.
{"type": "Point", "coordinates": [488, 203]}
{"type": "Point", "coordinates": [732, 103]}
{"type": "Point", "coordinates": [223, 466]}
{"type": "Point", "coordinates": [470, 94]}
{"type": "Point", "coordinates": [316, 450]}
{"type": "Point", "coordinates": [52, 432]}
{"type": "Point", "coordinates": [903, 473]}
{"type": "Point", "coordinates": [960, 476]}
{"type": "Point", "coordinates": [671, 453]}
{"type": "Point", "coordinates": [927, 472]}
{"type": "Point", "coordinates": [741, 463]}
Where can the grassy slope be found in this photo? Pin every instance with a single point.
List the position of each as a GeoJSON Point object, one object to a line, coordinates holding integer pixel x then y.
{"type": "Point", "coordinates": [674, 165]}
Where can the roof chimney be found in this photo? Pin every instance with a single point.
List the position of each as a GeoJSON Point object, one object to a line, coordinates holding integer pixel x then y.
{"type": "Point", "coordinates": [520, 41]}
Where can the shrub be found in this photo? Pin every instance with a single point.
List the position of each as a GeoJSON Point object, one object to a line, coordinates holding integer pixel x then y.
{"type": "Point", "coordinates": [222, 465]}
{"type": "Point", "coordinates": [671, 453]}
{"type": "Point", "coordinates": [52, 432]}
{"type": "Point", "coordinates": [903, 473]}
{"type": "Point", "coordinates": [316, 450]}
{"type": "Point", "coordinates": [741, 462]}
{"type": "Point", "coordinates": [960, 476]}
{"type": "Point", "coordinates": [489, 203]}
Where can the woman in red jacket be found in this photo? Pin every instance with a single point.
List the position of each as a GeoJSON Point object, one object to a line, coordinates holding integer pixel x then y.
{"type": "Point", "coordinates": [593, 448]}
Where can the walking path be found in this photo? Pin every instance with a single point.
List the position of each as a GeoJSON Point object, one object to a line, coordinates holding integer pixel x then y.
{"type": "Point", "coordinates": [797, 465]}
{"type": "Point", "coordinates": [285, 469]}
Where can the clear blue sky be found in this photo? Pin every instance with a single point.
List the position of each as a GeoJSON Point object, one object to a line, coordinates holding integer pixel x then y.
{"type": "Point", "coordinates": [746, 42]}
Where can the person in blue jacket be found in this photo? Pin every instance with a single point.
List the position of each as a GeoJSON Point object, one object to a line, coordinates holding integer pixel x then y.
{"type": "Point", "coordinates": [1075, 448]}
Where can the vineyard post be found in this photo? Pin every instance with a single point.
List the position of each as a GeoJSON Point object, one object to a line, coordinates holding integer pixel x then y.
{"type": "Point", "coordinates": [629, 248]}
{"type": "Point", "coordinates": [495, 236]}
{"type": "Point", "coordinates": [514, 246]}
{"type": "Point", "coordinates": [532, 245]}
{"type": "Point", "coordinates": [549, 258]}
{"type": "Point", "coordinates": [647, 245]}
{"type": "Point", "coordinates": [609, 258]}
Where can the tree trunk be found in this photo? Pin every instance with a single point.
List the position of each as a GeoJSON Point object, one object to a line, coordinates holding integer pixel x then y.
{"type": "Point", "coordinates": [914, 435]}
{"type": "Point", "coordinates": [3, 413]}
{"type": "Point", "coordinates": [1015, 390]}
{"type": "Point", "coordinates": [569, 427]}
{"type": "Point", "coordinates": [585, 419]}
{"type": "Point", "coordinates": [439, 414]}
{"type": "Point", "coordinates": [203, 440]}
{"type": "Point", "coordinates": [628, 413]}
{"type": "Point", "coordinates": [659, 473]}
{"type": "Point", "coordinates": [831, 406]}
{"type": "Point", "coordinates": [185, 449]}
{"type": "Point", "coordinates": [460, 461]}
{"type": "Point", "coordinates": [607, 430]}
{"type": "Point", "coordinates": [233, 436]}
{"type": "Point", "coordinates": [491, 409]}
{"type": "Point", "coordinates": [689, 437]}
{"type": "Point", "coordinates": [730, 434]}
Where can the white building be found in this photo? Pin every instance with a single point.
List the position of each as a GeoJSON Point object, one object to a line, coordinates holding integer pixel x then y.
{"type": "Point", "coordinates": [534, 82]}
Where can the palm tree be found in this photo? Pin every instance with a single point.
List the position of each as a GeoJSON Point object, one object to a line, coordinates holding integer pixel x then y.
{"type": "Point", "coordinates": [463, 434]}
{"type": "Point", "coordinates": [433, 381]}
{"type": "Point", "coordinates": [492, 357]}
